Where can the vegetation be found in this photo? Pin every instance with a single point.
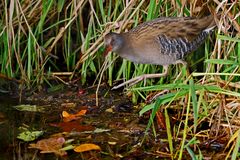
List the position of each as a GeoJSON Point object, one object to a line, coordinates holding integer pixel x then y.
{"type": "Point", "coordinates": [50, 40]}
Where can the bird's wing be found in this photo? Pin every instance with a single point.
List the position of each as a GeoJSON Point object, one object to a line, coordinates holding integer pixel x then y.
{"type": "Point", "coordinates": [176, 36]}
{"type": "Point", "coordinates": [184, 36]}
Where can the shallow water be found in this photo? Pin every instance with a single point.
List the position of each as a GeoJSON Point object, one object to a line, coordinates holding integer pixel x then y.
{"type": "Point", "coordinates": [121, 128]}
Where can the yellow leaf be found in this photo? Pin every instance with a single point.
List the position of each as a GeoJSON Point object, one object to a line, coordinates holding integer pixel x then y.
{"type": "Point", "coordinates": [86, 147]}
{"type": "Point", "coordinates": [65, 114]}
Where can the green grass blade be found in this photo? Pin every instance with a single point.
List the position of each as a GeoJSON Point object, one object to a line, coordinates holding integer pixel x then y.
{"type": "Point", "coordinates": [169, 132]}
{"type": "Point", "coordinates": [194, 103]}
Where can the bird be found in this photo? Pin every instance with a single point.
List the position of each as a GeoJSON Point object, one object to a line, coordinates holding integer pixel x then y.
{"type": "Point", "coordinates": [162, 41]}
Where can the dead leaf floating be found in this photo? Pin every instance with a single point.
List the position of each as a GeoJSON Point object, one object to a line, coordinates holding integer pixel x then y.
{"type": "Point", "coordinates": [86, 147]}
{"type": "Point", "coordinates": [28, 136]}
{"type": "Point", "coordinates": [67, 117]}
{"type": "Point", "coordinates": [50, 145]}
{"type": "Point", "coordinates": [73, 126]}
{"type": "Point", "coordinates": [30, 108]}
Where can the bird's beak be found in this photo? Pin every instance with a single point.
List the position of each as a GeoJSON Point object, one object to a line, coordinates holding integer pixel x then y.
{"type": "Point", "coordinates": [108, 48]}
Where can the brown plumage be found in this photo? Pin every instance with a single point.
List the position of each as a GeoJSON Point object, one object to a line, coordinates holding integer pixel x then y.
{"type": "Point", "coordinates": [162, 41]}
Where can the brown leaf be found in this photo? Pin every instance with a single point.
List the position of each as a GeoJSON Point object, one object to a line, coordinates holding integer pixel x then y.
{"type": "Point", "coordinates": [72, 126]}
{"type": "Point", "coordinates": [86, 147]}
{"type": "Point", "coordinates": [51, 145]}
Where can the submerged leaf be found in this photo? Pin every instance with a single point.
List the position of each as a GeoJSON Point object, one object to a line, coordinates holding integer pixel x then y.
{"type": "Point", "coordinates": [30, 108]}
{"type": "Point", "coordinates": [73, 126]}
{"type": "Point", "coordinates": [28, 136]}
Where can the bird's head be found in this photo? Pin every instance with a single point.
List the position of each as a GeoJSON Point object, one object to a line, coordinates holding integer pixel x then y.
{"type": "Point", "coordinates": [113, 42]}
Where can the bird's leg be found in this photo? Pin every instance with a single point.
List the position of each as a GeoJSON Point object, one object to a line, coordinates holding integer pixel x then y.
{"type": "Point", "coordinates": [181, 61]}
{"type": "Point", "coordinates": [184, 63]}
{"type": "Point", "coordinates": [135, 80]}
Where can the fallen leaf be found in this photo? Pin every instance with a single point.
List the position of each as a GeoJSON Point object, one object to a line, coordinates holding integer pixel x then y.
{"type": "Point", "coordinates": [73, 126]}
{"type": "Point", "coordinates": [65, 114]}
{"type": "Point", "coordinates": [30, 108]}
{"type": "Point", "coordinates": [86, 147]}
{"type": "Point", "coordinates": [67, 117]}
{"type": "Point", "coordinates": [50, 145]}
{"type": "Point", "coordinates": [69, 105]}
{"type": "Point", "coordinates": [81, 113]}
{"type": "Point", "coordinates": [28, 136]}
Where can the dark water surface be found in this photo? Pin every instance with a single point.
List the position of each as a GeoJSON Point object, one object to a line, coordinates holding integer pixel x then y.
{"type": "Point", "coordinates": [7, 126]}
{"type": "Point", "coordinates": [115, 114]}
{"type": "Point", "coordinates": [10, 120]}
{"type": "Point", "coordinates": [124, 127]}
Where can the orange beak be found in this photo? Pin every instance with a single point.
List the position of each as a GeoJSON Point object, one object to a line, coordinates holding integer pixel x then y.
{"type": "Point", "coordinates": [107, 50]}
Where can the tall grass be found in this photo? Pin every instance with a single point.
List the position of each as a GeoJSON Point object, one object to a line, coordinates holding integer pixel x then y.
{"type": "Point", "coordinates": [44, 40]}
